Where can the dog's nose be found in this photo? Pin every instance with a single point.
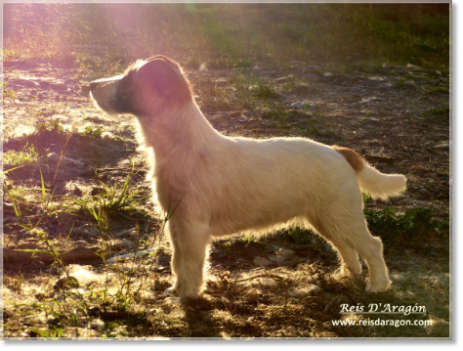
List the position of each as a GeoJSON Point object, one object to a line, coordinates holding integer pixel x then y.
{"type": "Point", "coordinates": [93, 85]}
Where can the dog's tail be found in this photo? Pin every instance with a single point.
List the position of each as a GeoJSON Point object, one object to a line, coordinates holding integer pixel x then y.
{"type": "Point", "coordinates": [370, 180]}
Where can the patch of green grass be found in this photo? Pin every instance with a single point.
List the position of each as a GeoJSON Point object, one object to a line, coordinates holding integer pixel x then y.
{"type": "Point", "coordinates": [261, 90]}
{"type": "Point", "coordinates": [48, 126]}
{"type": "Point", "coordinates": [8, 55]}
{"type": "Point", "coordinates": [300, 236]}
{"type": "Point", "coordinates": [49, 111]}
{"type": "Point", "coordinates": [119, 198]}
{"type": "Point", "coordinates": [251, 92]}
{"type": "Point", "coordinates": [53, 333]}
{"type": "Point", "coordinates": [366, 198]}
{"type": "Point", "coordinates": [312, 130]}
{"type": "Point", "coordinates": [415, 227]}
{"type": "Point", "coordinates": [441, 90]}
{"type": "Point", "coordinates": [92, 132]}
{"type": "Point", "coordinates": [28, 155]}
{"type": "Point", "coordinates": [439, 113]}
{"type": "Point", "coordinates": [8, 93]}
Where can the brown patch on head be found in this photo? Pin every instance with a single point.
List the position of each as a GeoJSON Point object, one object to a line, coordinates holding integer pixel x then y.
{"type": "Point", "coordinates": [355, 160]}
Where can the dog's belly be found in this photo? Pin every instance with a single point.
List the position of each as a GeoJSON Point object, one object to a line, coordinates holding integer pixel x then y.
{"type": "Point", "coordinates": [260, 226]}
{"type": "Point", "coordinates": [256, 213]}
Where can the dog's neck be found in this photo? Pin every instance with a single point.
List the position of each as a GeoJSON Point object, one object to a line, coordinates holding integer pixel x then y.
{"type": "Point", "coordinates": [178, 133]}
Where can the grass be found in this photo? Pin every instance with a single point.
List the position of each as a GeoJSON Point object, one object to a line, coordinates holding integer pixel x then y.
{"type": "Point", "coordinates": [229, 35]}
{"type": "Point", "coordinates": [113, 199]}
{"type": "Point", "coordinates": [415, 228]}
{"type": "Point", "coordinates": [92, 132]}
{"type": "Point", "coordinates": [438, 111]}
{"type": "Point", "coordinates": [8, 93]}
{"type": "Point", "coordinates": [27, 156]}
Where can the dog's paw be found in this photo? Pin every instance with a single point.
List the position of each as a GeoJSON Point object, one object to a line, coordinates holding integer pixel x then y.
{"type": "Point", "coordinates": [378, 287]}
{"type": "Point", "coordinates": [347, 272]}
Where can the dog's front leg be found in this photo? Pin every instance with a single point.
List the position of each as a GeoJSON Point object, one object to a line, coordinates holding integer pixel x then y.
{"type": "Point", "coordinates": [189, 244]}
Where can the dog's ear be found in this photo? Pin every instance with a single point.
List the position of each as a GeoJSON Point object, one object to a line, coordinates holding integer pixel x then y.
{"type": "Point", "coordinates": [163, 76]}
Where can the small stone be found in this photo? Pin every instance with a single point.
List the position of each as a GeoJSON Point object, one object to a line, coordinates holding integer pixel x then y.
{"type": "Point", "coordinates": [261, 261]}
{"type": "Point", "coordinates": [235, 114]}
{"type": "Point", "coordinates": [278, 260]}
{"type": "Point", "coordinates": [97, 324]}
{"type": "Point", "coordinates": [287, 253]}
{"type": "Point", "coordinates": [302, 104]}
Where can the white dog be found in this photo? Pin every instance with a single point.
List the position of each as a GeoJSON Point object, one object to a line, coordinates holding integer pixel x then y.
{"type": "Point", "coordinates": [214, 185]}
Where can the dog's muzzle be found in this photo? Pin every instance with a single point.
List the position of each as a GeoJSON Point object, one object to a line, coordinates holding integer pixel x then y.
{"type": "Point", "coordinates": [110, 83]}
{"type": "Point", "coordinates": [104, 91]}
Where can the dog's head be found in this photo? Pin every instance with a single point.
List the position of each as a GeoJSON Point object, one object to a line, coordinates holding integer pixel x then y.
{"type": "Point", "coordinates": [146, 88]}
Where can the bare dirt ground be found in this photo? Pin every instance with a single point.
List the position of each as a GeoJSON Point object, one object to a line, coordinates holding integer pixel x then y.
{"type": "Point", "coordinates": [397, 117]}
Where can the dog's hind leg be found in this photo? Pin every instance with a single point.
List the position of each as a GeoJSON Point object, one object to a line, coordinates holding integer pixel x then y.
{"type": "Point", "coordinates": [349, 257]}
{"type": "Point", "coordinates": [370, 248]}
{"type": "Point", "coordinates": [350, 262]}
{"type": "Point", "coordinates": [348, 232]}
{"type": "Point", "coordinates": [190, 250]}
